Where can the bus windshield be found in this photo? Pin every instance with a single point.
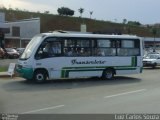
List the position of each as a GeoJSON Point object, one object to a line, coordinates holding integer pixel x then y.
{"type": "Point", "coordinates": [30, 47]}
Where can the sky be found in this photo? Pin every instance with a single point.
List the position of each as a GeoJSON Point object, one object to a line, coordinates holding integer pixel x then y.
{"type": "Point", "coordinates": [143, 11]}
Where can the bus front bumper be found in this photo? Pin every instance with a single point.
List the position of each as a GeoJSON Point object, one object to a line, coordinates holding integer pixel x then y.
{"type": "Point", "coordinates": [26, 73]}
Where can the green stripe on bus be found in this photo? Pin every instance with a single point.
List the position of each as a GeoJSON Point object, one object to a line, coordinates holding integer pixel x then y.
{"type": "Point", "coordinates": [134, 61]}
{"type": "Point", "coordinates": [65, 71]}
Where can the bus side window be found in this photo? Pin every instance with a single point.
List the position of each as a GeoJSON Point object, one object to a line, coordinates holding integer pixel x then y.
{"type": "Point", "coordinates": [46, 50]}
{"type": "Point", "coordinates": [85, 52]}
{"type": "Point", "coordinates": [49, 49]}
{"type": "Point", "coordinates": [41, 51]}
{"type": "Point", "coordinates": [55, 48]}
{"type": "Point", "coordinates": [68, 51]}
{"type": "Point", "coordinates": [129, 48]}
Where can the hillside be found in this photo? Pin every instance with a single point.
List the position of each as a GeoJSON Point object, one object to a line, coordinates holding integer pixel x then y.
{"type": "Point", "coordinates": [51, 22]}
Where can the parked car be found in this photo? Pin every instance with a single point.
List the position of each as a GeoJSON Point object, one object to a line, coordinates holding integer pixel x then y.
{"type": "Point", "coordinates": [151, 60]}
{"type": "Point", "coordinates": [12, 53]}
{"type": "Point", "coordinates": [20, 50]}
{"type": "Point", "coordinates": [2, 53]}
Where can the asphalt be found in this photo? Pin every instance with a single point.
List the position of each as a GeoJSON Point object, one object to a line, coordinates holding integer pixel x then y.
{"type": "Point", "coordinates": [125, 94]}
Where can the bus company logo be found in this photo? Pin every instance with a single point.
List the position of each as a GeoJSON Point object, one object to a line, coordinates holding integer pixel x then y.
{"type": "Point", "coordinates": [75, 61]}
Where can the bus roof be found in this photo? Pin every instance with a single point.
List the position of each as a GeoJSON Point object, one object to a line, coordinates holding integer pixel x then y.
{"type": "Point", "coordinates": [57, 34]}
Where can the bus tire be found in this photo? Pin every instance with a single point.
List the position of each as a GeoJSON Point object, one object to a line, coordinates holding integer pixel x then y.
{"type": "Point", "coordinates": [108, 74]}
{"type": "Point", "coordinates": [40, 76]}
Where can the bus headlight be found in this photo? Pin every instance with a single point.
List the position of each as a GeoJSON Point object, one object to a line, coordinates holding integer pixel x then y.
{"type": "Point", "coordinates": [19, 66]}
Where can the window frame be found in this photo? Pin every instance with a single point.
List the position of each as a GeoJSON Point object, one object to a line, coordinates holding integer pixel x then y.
{"type": "Point", "coordinates": [45, 41]}
{"type": "Point", "coordinates": [75, 47]}
{"type": "Point", "coordinates": [127, 48]}
{"type": "Point", "coordinates": [116, 43]}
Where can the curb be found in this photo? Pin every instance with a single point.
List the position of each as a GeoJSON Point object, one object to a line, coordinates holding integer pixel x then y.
{"type": "Point", "coordinates": [10, 79]}
{"type": "Point", "coordinates": [5, 75]}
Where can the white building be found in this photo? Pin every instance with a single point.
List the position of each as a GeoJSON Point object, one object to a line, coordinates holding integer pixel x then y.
{"type": "Point", "coordinates": [2, 17]}
{"type": "Point", "coordinates": [20, 31]}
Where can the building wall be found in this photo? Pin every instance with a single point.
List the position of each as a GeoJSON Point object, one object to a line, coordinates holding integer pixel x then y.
{"type": "Point", "coordinates": [2, 17]}
{"type": "Point", "coordinates": [28, 28]}
{"type": "Point", "coordinates": [3, 27]}
{"type": "Point", "coordinates": [21, 32]}
{"type": "Point", "coordinates": [150, 42]}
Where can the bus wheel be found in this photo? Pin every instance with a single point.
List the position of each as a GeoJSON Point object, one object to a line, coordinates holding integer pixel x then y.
{"type": "Point", "coordinates": [40, 76]}
{"type": "Point", "coordinates": [108, 74]}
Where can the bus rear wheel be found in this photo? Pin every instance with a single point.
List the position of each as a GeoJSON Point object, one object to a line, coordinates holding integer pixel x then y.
{"type": "Point", "coordinates": [40, 76]}
{"type": "Point", "coordinates": [108, 74]}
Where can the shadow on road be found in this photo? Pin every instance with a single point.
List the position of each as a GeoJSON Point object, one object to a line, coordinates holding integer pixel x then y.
{"type": "Point", "coordinates": [23, 86]}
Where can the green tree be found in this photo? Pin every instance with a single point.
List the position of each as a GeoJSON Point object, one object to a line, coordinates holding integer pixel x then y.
{"type": "Point", "coordinates": [91, 12]}
{"type": "Point", "coordinates": [134, 23]}
{"type": "Point", "coordinates": [65, 11]}
{"type": "Point", "coordinates": [81, 10]}
{"type": "Point", "coordinates": [46, 12]}
{"type": "Point", "coordinates": [124, 21]}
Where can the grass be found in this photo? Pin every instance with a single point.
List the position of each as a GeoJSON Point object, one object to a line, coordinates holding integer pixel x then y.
{"type": "Point", "coordinates": [3, 69]}
{"type": "Point", "coordinates": [51, 22]}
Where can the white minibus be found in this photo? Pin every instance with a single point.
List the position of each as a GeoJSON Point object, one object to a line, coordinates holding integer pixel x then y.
{"type": "Point", "coordinates": [70, 55]}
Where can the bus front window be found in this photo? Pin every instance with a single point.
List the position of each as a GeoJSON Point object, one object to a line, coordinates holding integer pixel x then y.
{"type": "Point", "coordinates": [30, 47]}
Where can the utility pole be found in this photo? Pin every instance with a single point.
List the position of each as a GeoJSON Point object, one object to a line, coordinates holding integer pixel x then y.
{"type": "Point", "coordinates": [1, 39]}
{"type": "Point", "coordinates": [91, 12]}
{"type": "Point", "coordinates": [154, 32]}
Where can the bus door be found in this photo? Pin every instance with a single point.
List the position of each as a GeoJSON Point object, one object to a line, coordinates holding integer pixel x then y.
{"type": "Point", "coordinates": [48, 56]}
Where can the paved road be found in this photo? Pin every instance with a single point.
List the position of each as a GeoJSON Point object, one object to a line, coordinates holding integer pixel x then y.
{"type": "Point", "coordinates": [128, 94]}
